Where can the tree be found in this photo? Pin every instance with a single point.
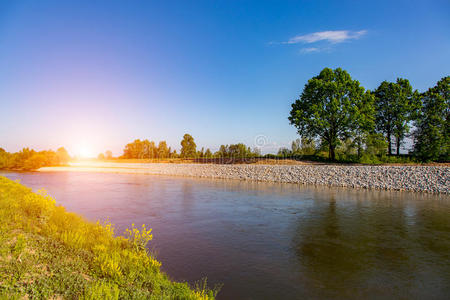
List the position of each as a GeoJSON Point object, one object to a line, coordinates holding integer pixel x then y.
{"type": "Point", "coordinates": [101, 156]}
{"type": "Point", "coordinates": [188, 147]}
{"type": "Point", "coordinates": [308, 146]}
{"type": "Point", "coordinates": [283, 151]}
{"type": "Point", "coordinates": [133, 150]}
{"type": "Point", "coordinates": [395, 103]}
{"type": "Point", "coordinates": [140, 149]}
{"type": "Point", "coordinates": [208, 153]}
{"type": "Point", "coordinates": [36, 161]}
{"type": "Point", "coordinates": [235, 150]}
{"type": "Point", "coordinates": [63, 155]}
{"type": "Point", "coordinates": [163, 151]}
{"type": "Point", "coordinates": [28, 159]}
{"type": "Point", "coordinates": [330, 107]}
{"type": "Point", "coordinates": [108, 154]}
{"type": "Point", "coordinates": [376, 145]}
{"type": "Point", "coordinates": [296, 146]}
{"type": "Point", "coordinates": [433, 123]}
{"type": "Point", "coordinates": [201, 153]}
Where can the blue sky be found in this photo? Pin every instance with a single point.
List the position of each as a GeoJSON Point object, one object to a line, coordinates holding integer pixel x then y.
{"type": "Point", "coordinates": [102, 73]}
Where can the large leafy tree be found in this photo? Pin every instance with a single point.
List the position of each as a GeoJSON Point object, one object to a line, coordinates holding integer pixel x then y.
{"type": "Point", "coordinates": [433, 123]}
{"type": "Point", "coordinates": [395, 105]}
{"type": "Point", "coordinates": [188, 146]}
{"type": "Point", "coordinates": [332, 106]}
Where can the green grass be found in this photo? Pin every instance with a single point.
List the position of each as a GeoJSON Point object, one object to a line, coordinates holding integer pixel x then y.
{"type": "Point", "coordinates": [46, 252]}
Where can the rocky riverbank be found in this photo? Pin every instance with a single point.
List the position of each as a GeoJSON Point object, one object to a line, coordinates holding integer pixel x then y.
{"type": "Point", "coordinates": [430, 179]}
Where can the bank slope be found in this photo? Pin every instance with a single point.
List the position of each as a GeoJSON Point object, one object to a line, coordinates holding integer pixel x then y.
{"type": "Point", "coordinates": [46, 252]}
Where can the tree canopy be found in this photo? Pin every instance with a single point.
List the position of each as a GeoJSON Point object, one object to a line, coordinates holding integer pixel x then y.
{"type": "Point", "coordinates": [433, 123]}
{"type": "Point", "coordinates": [29, 159]}
{"type": "Point", "coordinates": [332, 106]}
{"type": "Point", "coordinates": [395, 104]}
{"type": "Point", "coordinates": [188, 147]}
{"type": "Point", "coordinates": [146, 150]}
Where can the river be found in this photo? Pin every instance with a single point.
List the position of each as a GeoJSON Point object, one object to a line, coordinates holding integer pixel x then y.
{"type": "Point", "coordinates": [273, 241]}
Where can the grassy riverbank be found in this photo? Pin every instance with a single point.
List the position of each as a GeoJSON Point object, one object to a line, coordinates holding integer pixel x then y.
{"type": "Point", "coordinates": [46, 252]}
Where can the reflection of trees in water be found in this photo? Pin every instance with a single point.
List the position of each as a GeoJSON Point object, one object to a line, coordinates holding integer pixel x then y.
{"type": "Point", "coordinates": [352, 248]}
{"type": "Point", "coordinates": [188, 196]}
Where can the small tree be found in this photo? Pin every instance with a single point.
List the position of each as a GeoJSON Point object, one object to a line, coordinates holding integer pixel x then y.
{"type": "Point", "coordinates": [208, 153]}
{"type": "Point", "coordinates": [296, 146]}
{"type": "Point", "coordinates": [108, 154]}
{"type": "Point", "coordinates": [63, 156]}
{"type": "Point", "coordinates": [163, 151]}
{"type": "Point", "coordinates": [283, 151]}
{"type": "Point", "coordinates": [329, 107]}
{"type": "Point", "coordinates": [188, 147]}
{"type": "Point", "coordinates": [308, 146]}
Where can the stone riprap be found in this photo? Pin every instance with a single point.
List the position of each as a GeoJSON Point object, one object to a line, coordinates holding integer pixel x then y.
{"type": "Point", "coordinates": [430, 179]}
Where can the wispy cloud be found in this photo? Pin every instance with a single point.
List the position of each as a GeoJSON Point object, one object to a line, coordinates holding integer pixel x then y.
{"type": "Point", "coordinates": [331, 36]}
{"type": "Point", "coordinates": [310, 50]}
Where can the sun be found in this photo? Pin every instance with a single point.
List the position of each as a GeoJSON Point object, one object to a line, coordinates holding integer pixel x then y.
{"type": "Point", "coordinates": [85, 151]}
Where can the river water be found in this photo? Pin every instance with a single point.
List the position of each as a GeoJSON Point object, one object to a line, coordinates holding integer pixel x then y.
{"type": "Point", "coordinates": [274, 241]}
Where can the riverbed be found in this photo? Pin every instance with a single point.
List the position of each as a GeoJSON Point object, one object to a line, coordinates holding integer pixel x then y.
{"type": "Point", "coordinates": [429, 179]}
{"type": "Point", "coordinates": [271, 240]}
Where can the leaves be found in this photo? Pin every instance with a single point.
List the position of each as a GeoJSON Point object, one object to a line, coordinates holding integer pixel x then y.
{"type": "Point", "coordinates": [332, 106]}
{"type": "Point", "coordinates": [433, 123]}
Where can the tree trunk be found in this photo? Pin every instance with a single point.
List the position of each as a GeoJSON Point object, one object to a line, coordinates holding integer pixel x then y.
{"type": "Point", "coordinates": [389, 143]}
{"type": "Point", "coordinates": [331, 153]}
{"type": "Point", "coordinates": [398, 146]}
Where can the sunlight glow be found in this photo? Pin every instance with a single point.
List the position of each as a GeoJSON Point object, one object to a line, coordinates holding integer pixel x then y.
{"type": "Point", "coordinates": [85, 151]}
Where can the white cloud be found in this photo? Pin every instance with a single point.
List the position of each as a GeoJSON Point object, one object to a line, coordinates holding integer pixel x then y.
{"type": "Point", "coordinates": [331, 36]}
{"type": "Point", "coordinates": [310, 50]}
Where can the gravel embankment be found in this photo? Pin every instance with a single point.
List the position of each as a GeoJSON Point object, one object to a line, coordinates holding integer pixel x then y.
{"type": "Point", "coordinates": [430, 179]}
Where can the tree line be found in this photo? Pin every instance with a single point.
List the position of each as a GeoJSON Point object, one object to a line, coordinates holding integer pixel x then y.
{"type": "Point", "coordinates": [335, 112]}
{"type": "Point", "coordinates": [29, 159]}
{"type": "Point", "coordinates": [148, 150]}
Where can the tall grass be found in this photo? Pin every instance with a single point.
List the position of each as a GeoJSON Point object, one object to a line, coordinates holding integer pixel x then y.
{"type": "Point", "coordinates": [47, 252]}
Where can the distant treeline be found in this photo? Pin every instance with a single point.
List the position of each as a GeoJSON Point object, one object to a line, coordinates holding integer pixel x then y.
{"type": "Point", "coordinates": [148, 150]}
{"type": "Point", "coordinates": [336, 114]}
{"type": "Point", "coordinates": [29, 159]}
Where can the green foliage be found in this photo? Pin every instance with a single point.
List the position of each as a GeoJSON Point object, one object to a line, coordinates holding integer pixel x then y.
{"type": "Point", "coordinates": [188, 147]}
{"type": "Point", "coordinates": [331, 107]}
{"type": "Point", "coordinates": [208, 153]}
{"type": "Point", "coordinates": [433, 123]}
{"type": "Point", "coordinates": [48, 253]}
{"type": "Point", "coordinates": [145, 150]}
{"type": "Point", "coordinates": [284, 151]}
{"type": "Point", "coordinates": [395, 106]}
{"type": "Point", "coordinates": [102, 290]}
{"type": "Point", "coordinates": [354, 125]}
{"type": "Point", "coordinates": [29, 159]}
{"type": "Point", "coordinates": [239, 150]}
{"type": "Point", "coordinates": [163, 151]}
{"type": "Point", "coordinates": [139, 238]}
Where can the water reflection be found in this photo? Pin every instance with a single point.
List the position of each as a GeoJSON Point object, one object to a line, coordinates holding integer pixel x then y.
{"type": "Point", "coordinates": [271, 240]}
{"type": "Point", "coordinates": [384, 248]}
